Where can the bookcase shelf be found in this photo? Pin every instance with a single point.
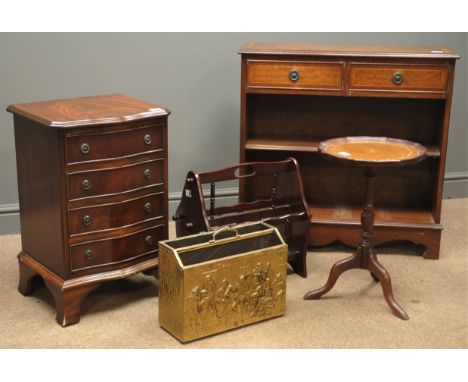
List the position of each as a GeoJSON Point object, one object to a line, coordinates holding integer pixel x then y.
{"type": "Point", "coordinates": [352, 215]}
{"type": "Point", "coordinates": [305, 146]}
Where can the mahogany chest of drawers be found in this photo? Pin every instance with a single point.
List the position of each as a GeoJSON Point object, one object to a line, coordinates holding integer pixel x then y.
{"type": "Point", "coordinates": [293, 96]}
{"type": "Point", "coordinates": [92, 182]}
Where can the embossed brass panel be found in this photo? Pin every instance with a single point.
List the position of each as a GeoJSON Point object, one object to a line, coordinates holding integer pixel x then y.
{"type": "Point", "coordinates": [209, 284]}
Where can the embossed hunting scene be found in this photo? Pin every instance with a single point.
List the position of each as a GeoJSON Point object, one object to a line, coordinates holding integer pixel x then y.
{"type": "Point", "coordinates": [215, 282]}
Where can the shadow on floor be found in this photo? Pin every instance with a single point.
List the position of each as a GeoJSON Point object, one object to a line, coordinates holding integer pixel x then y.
{"type": "Point", "coordinates": [110, 295]}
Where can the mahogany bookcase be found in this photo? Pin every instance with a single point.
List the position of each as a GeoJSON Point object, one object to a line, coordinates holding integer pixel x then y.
{"type": "Point", "coordinates": [295, 96]}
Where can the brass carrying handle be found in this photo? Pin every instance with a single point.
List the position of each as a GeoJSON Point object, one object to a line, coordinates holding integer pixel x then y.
{"type": "Point", "coordinates": [224, 229]}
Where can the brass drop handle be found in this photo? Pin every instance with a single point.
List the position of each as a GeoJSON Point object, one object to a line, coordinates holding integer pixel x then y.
{"type": "Point", "coordinates": [87, 220]}
{"type": "Point", "coordinates": [88, 254]}
{"type": "Point", "coordinates": [398, 78]}
{"type": "Point", "coordinates": [86, 184]}
{"type": "Point", "coordinates": [294, 75]}
{"type": "Point", "coordinates": [147, 173]}
{"type": "Point", "coordinates": [225, 229]}
{"type": "Point", "coordinates": [84, 148]}
{"type": "Point", "coordinates": [148, 207]}
{"type": "Point", "coordinates": [149, 240]}
{"type": "Point", "coordinates": [147, 139]}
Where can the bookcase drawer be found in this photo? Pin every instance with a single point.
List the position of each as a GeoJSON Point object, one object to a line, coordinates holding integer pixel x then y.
{"type": "Point", "coordinates": [295, 74]}
{"type": "Point", "coordinates": [400, 78]}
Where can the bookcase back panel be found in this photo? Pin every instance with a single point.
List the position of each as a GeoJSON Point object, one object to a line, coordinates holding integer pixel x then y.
{"type": "Point", "coordinates": [327, 183]}
{"type": "Point", "coordinates": [315, 118]}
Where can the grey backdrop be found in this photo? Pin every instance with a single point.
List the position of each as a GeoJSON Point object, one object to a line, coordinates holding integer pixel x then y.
{"type": "Point", "coordinates": [196, 75]}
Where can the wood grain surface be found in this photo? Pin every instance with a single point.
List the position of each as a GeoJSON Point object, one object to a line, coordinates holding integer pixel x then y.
{"type": "Point", "coordinates": [92, 176]}
{"type": "Point", "coordinates": [86, 111]}
{"type": "Point", "coordinates": [398, 51]}
{"type": "Point", "coordinates": [311, 75]}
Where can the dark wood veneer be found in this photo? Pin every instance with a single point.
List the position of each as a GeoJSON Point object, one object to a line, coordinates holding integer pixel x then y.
{"type": "Point", "coordinates": [53, 203]}
{"type": "Point", "coordinates": [88, 111]}
{"type": "Point", "coordinates": [115, 179]}
{"type": "Point", "coordinates": [118, 214]}
{"type": "Point", "coordinates": [114, 144]}
{"type": "Point", "coordinates": [38, 161]}
{"type": "Point", "coordinates": [116, 249]}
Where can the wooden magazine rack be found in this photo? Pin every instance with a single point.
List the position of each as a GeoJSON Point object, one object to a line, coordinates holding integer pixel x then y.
{"type": "Point", "coordinates": [284, 206]}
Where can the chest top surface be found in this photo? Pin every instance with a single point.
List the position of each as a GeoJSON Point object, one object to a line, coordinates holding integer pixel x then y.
{"type": "Point", "coordinates": [396, 51]}
{"type": "Point", "coordinates": [85, 111]}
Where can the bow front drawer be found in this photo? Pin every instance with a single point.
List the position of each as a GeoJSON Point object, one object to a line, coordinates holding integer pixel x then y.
{"type": "Point", "coordinates": [115, 250]}
{"type": "Point", "coordinates": [115, 179]}
{"type": "Point", "coordinates": [404, 78]}
{"type": "Point", "coordinates": [113, 144]}
{"type": "Point", "coordinates": [114, 215]}
{"type": "Point", "coordinates": [294, 75]}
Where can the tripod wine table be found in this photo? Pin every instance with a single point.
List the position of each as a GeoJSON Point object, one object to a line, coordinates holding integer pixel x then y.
{"type": "Point", "coordinates": [371, 153]}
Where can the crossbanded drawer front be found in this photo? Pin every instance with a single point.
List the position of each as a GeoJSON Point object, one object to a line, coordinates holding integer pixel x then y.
{"type": "Point", "coordinates": [114, 144]}
{"type": "Point", "coordinates": [115, 250]}
{"type": "Point", "coordinates": [114, 180]}
{"type": "Point", "coordinates": [114, 215]}
{"type": "Point", "coordinates": [294, 75]}
{"type": "Point", "coordinates": [375, 77]}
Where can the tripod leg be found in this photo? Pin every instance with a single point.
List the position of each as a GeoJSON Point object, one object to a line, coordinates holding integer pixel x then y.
{"type": "Point", "coordinates": [378, 270]}
{"type": "Point", "coordinates": [337, 269]}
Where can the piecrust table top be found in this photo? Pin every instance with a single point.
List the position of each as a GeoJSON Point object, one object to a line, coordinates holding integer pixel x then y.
{"type": "Point", "coordinates": [372, 150]}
